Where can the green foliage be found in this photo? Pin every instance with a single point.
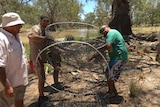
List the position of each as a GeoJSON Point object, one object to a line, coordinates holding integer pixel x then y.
{"type": "Point", "coordinates": [101, 14]}
{"type": "Point", "coordinates": [90, 18]}
{"type": "Point", "coordinates": [149, 9]}
{"type": "Point", "coordinates": [144, 12]}
{"type": "Point", "coordinates": [60, 10]}
{"type": "Point", "coordinates": [48, 68]}
{"type": "Point", "coordinates": [26, 46]}
{"type": "Point", "coordinates": [70, 10]}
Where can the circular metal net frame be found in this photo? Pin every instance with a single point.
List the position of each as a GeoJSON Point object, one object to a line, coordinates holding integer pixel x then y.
{"type": "Point", "coordinates": [83, 79]}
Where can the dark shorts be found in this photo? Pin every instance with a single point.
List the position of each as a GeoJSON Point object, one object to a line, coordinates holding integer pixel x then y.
{"type": "Point", "coordinates": [114, 69]}
{"type": "Point", "coordinates": [52, 54]}
{"type": "Point", "coordinates": [54, 58]}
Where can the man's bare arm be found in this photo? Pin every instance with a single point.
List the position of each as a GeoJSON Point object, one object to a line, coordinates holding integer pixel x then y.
{"type": "Point", "coordinates": [35, 37]}
{"type": "Point", "coordinates": [3, 79]}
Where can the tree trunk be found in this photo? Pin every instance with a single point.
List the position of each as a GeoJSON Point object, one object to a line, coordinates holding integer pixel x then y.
{"type": "Point", "coordinates": [120, 18]}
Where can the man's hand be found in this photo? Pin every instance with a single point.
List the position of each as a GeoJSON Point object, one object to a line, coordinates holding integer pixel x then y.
{"type": "Point", "coordinates": [36, 38]}
{"type": "Point", "coordinates": [9, 91]}
{"type": "Point", "coordinates": [7, 87]}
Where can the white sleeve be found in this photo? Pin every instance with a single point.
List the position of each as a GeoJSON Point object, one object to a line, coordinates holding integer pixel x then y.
{"type": "Point", "coordinates": [3, 53]}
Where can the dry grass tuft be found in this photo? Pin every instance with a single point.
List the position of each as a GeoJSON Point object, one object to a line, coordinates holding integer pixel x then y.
{"type": "Point", "coordinates": [135, 89]}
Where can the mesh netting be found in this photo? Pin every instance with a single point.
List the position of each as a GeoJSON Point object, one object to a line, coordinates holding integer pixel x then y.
{"type": "Point", "coordinates": [72, 30]}
{"type": "Point", "coordinates": [83, 80]}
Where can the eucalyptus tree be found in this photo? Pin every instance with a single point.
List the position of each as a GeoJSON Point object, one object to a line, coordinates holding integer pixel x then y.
{"type": "Point", "coordinates": [59, 10]}
{"type": "Point", "coordinates": [22, 7]}
{"type": "Point", "coordinates": [121, 17]}
{"type": "Point", "coordinates": [3, 6]}
{"type": "Point", "coordinates": [90, 18]}
{"type": "Point", "coordinates": [7, 6]}
{"type": "Point", "coordinates": [103, 12]}
{"type": "Point", "coordinates": [116, 14]}
{"type": "Point", "coordinates": [138, 10]}
{"type": "Point", "coordinates": [152, 12]}
{"type": "Point", "coordinates": [145, 12]}
{"type": "Point", "coordinates": [12, 5]}
{"type": "Point", "coordinates": [158, 13]}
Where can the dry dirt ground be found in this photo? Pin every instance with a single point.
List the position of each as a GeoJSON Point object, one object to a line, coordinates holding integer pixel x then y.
{"type": "Point", "coordinates": [139, 87]}
{"type": "Point", "coordinates": [146, 88]}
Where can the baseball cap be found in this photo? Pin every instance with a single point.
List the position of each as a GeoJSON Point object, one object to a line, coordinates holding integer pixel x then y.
{"type": "Point", "coordinates": [43, 17]}
{"type": "Point", "coordinates": [11, 19]}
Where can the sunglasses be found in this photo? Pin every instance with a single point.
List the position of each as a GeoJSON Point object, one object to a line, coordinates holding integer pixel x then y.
{"type": "Point", "coordinates": [101, 31]}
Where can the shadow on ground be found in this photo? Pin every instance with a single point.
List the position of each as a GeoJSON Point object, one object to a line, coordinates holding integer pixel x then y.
{"type": "Point", "coordinates": [104, 100]}
{"type": "Point", "coordinates": [46, 103]}
{"type": "Point", "coordinates": [34, 104]}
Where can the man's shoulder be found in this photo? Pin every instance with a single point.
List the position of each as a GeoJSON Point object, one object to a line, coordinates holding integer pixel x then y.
{"type": "Point", "coordinates": [3, 34]}
{"type": "Point", "coordinates": [35, 27]}
{"type": "Point", "coordinates": [114, 31]}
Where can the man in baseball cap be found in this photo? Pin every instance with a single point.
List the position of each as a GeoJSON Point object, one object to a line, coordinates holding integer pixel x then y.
{"type": "Point", "coordinates": [13, 75]}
